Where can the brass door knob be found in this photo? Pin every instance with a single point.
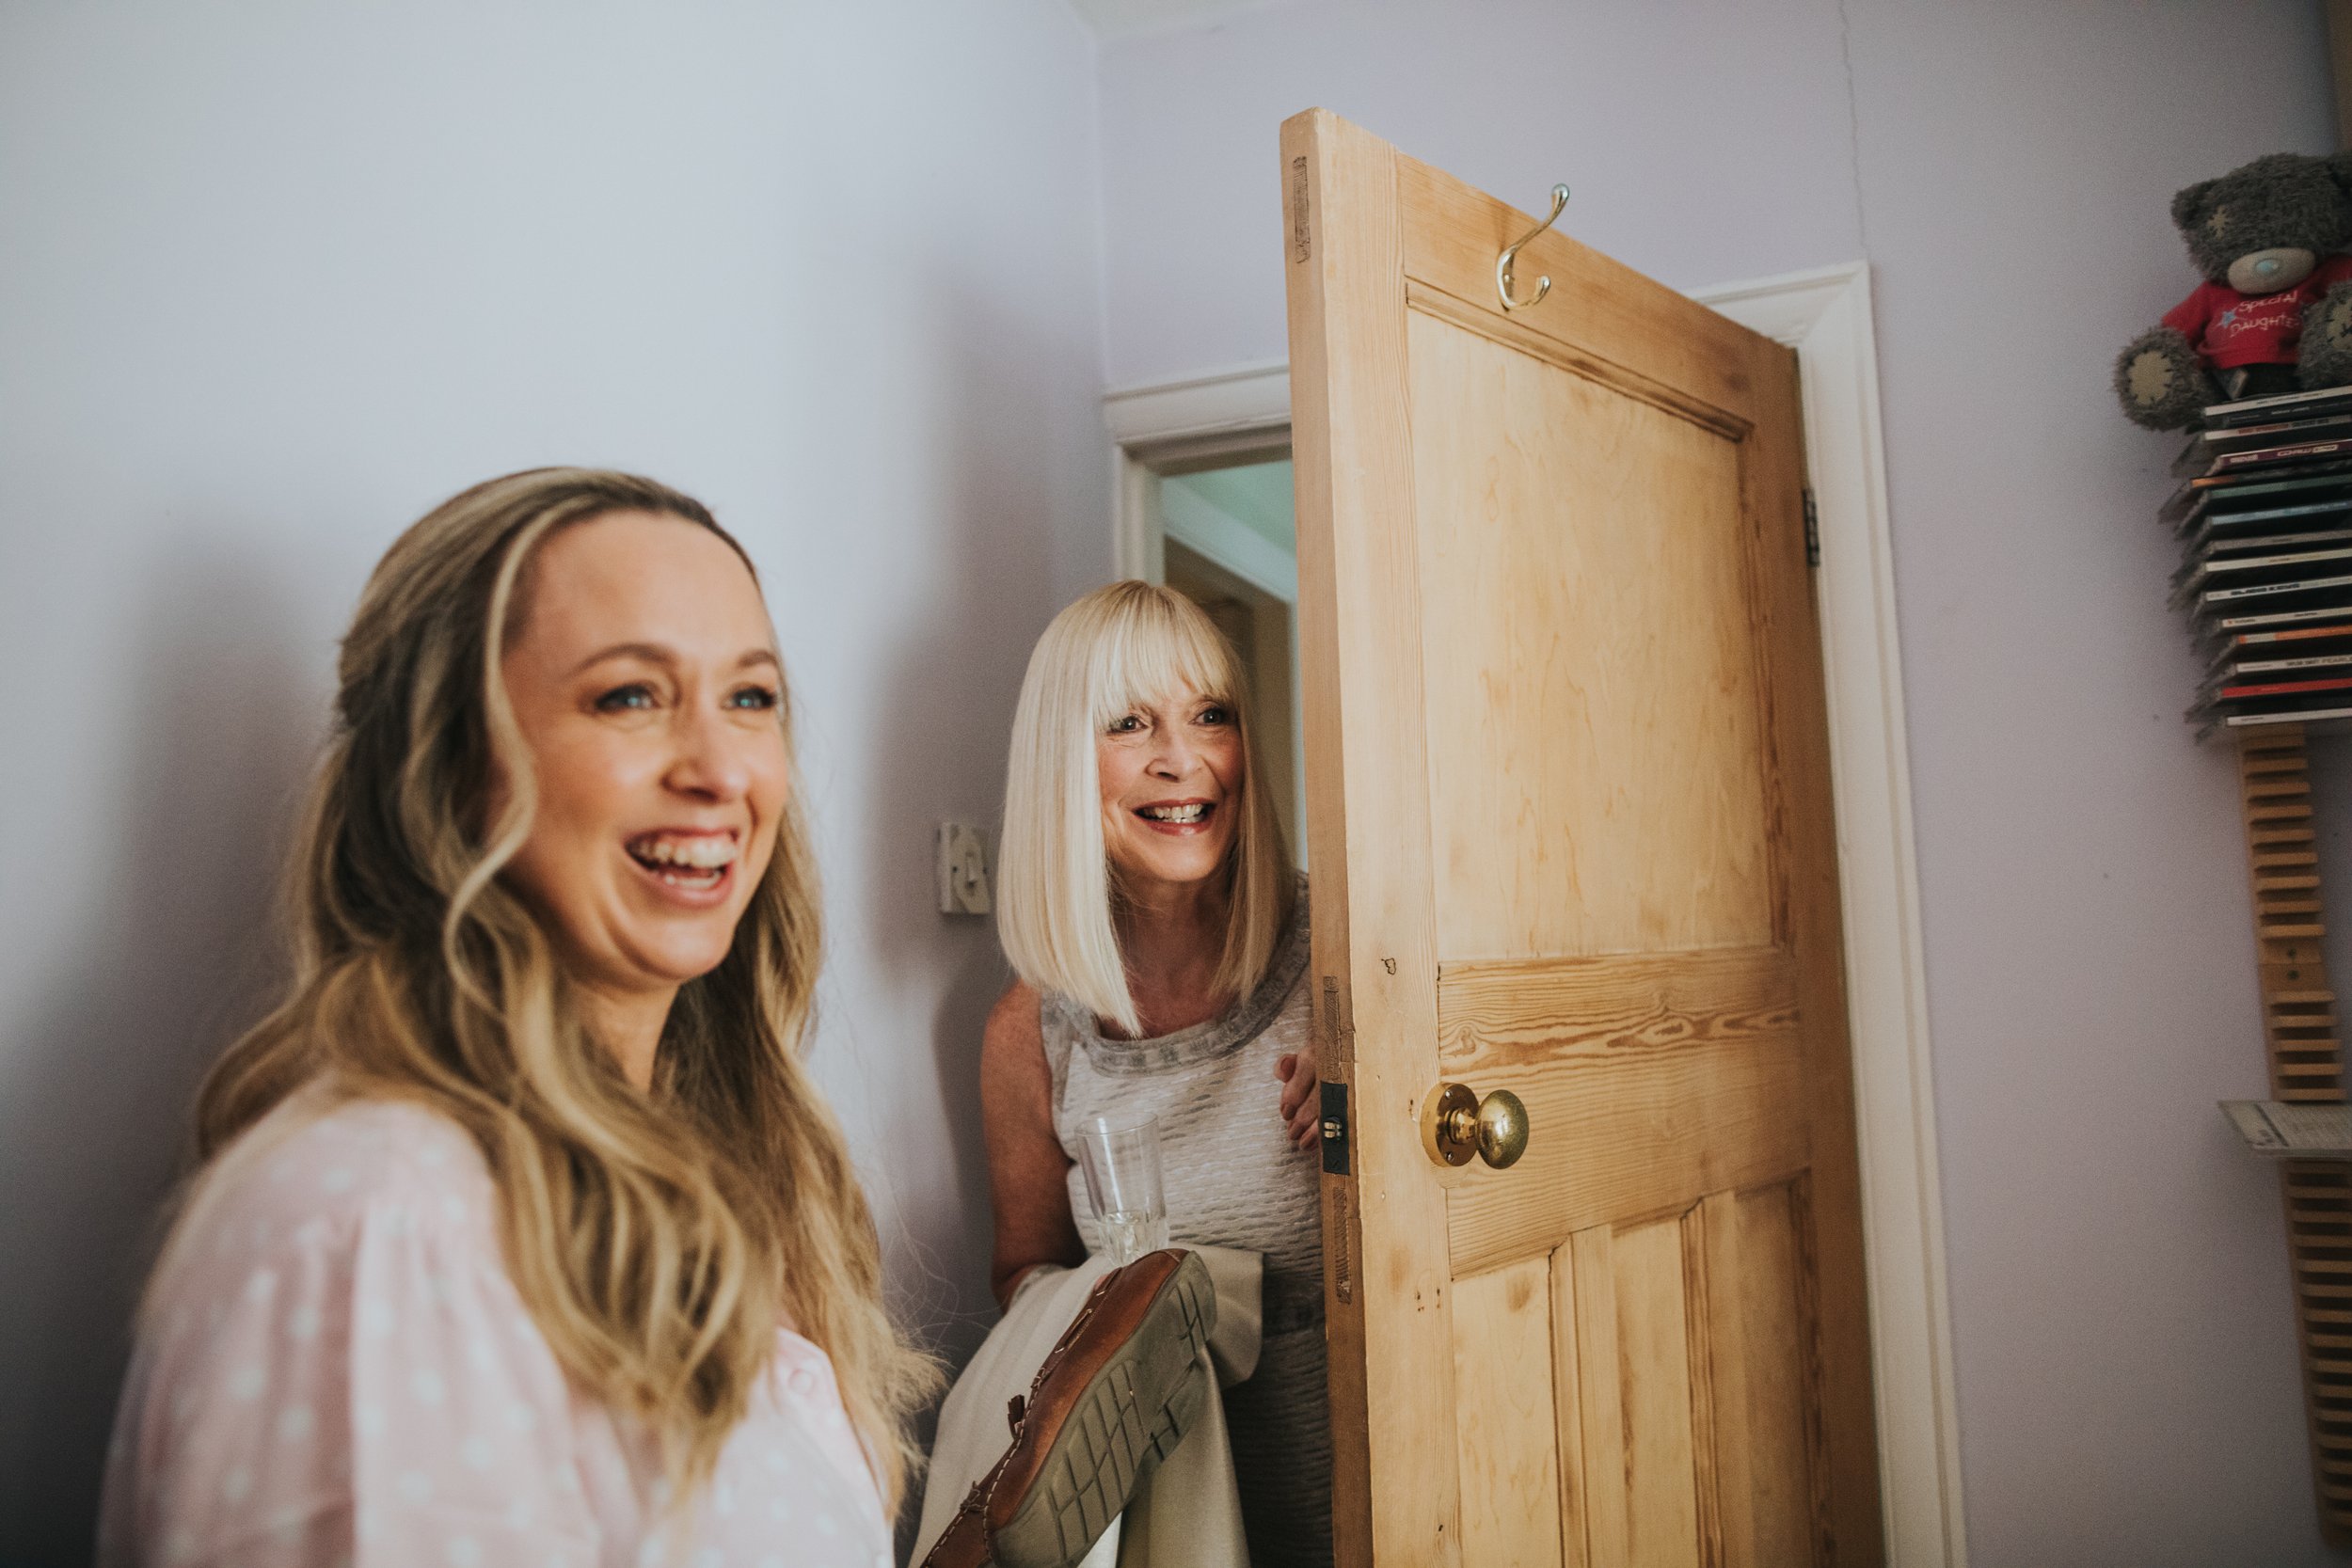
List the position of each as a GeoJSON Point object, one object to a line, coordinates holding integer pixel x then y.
{"type": "Point", "coordinates": [1456, 1124]}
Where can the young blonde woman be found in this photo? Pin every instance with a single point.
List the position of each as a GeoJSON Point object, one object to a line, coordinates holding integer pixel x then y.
{"type": "Point", "coordinates": [521, 1235]}
{"type": "Point", "coordinates": [1159, 933]}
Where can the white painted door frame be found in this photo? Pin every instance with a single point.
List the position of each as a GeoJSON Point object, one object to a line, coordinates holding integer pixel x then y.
{"type": "Point", "coordinates": [1238, 416]}
{"type": "Point", "coordinates": [1825, 316]}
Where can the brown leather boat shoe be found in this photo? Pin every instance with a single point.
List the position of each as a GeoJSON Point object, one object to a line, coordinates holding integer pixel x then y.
{"type": "Point", "coordinates": [1118, 1392]}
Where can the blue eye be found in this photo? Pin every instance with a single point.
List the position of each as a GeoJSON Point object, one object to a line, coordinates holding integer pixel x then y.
{"type": "Point", "coordinates": [757, 698]}
{"type": "Point", "coordinates": [625, 698]}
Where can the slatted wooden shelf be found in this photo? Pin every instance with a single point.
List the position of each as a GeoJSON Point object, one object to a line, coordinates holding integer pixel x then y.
{"type": "Point", "coordinates": [2300, 1027]}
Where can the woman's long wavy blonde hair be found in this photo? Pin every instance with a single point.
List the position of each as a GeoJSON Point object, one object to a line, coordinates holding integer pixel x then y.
{"type": "Point", "coordinates": [657, 1239]}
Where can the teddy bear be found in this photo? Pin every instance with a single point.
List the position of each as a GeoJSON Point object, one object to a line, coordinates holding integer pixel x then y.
{"type": "Point", "coordinates": [2275, 311]}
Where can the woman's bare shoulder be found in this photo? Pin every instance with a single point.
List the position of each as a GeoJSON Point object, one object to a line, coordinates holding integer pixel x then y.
{"type": "Point", "coordinates": [1013, 1021]}
{"type": "Point", "coordinates": [1013, 1031]}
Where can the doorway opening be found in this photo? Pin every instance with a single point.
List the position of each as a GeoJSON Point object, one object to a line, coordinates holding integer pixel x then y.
{"type": "Point", "coordinates": [1218, 526]}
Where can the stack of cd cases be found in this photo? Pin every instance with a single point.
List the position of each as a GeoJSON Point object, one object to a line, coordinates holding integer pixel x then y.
{"type": "Point", "coordinates": [2265, 518]}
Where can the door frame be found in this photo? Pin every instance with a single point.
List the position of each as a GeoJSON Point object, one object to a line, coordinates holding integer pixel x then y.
{"type": "Point", "coordinates": [1222, 417]}
{"type": "Point", "coordinates": [1825, 315]}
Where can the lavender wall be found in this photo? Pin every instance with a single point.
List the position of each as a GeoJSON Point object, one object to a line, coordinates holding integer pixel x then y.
{"type": "Point", "coordinates": [274, 279]}
{"type": "Point", "coordinates": [2128, 1392]}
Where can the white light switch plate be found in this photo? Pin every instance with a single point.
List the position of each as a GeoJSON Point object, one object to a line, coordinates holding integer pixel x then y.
{"type": "Point", "coordinates": [962, 859]}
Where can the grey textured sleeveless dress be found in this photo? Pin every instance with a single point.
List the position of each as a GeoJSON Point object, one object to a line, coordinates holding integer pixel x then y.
{"type": "Point", "coordinates": [1232, 1180]}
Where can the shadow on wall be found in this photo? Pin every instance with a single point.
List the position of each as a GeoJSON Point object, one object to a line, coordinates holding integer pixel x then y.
{"type": "Point", "coordinates": [982, 594]}
{"type": "Point", "coordinates": [94, 1126]}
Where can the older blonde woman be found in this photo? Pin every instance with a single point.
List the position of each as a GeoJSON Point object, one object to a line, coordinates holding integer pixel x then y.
{"type": "Point", "coordinates": [1159, 934]}
{"type": "Point", "coordinates": [522, 1235]}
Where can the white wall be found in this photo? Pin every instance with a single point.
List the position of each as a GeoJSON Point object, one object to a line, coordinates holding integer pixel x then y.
{"type": "Point", "coordinates": [2128, 1391]}
{"type": "Point", "coordinates": [275, 278]}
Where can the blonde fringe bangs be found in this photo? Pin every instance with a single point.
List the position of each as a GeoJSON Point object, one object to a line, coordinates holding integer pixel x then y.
{"type": "Point", "coordinates": [658, 1240]}
{"type": "Point", "coordinates": [1127, 645]}
{"type": "Point", "coordinates": [1157, 654]}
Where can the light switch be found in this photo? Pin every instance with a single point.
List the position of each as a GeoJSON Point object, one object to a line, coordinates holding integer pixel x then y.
{"type": "Point", "coordinates": [962, 869]}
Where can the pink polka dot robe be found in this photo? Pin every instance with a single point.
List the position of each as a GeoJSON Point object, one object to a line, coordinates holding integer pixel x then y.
{"type": "Point", "coordinates": [335, 1369]}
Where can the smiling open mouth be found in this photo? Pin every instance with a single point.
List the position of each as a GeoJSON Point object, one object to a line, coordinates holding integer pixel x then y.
{"type": "Point", "coordinates": [1192, 812]}
{"type": "Point", "coordinates": [696, 862]}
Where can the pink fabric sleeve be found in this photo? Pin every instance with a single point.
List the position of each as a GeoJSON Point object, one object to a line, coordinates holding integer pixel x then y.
{"type": "Point", "coordinates": [370, 1391]}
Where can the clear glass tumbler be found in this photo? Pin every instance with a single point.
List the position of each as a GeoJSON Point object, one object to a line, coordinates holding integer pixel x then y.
{"type": "Point", "coordinates": [1121, 1159]}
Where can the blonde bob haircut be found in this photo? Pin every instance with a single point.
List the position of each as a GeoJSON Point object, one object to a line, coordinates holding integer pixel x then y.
{"type": "Point", "coordinates": [657, 1239]}
{"type": "Point", "coordinates": [1128, 645]}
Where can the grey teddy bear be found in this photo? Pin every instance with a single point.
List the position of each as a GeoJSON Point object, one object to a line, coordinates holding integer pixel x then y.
{"type": "Point", "coordinates": [2275, 311]}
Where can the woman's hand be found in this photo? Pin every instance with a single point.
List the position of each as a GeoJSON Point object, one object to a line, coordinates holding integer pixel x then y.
{"type": "Point", "coordinates": [1301, 1106]}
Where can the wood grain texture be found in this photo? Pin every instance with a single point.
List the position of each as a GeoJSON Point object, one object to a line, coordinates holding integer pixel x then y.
{"type": "Point", "coordinates": [1654, 1394]}
{"type": "Point", "coordinates": [1808, 916]}
{"type": "Point", "coordinates": [1501, 1015]}
{"type": "Point", "coordinates": [1761, 1334]}
{"type": "Point", "coordinates": [1568, 1409]}
{"type": "Point", "coordinates": [1588, 1311]}
{"type": "Point", "coordinates": [1656, 1077]}
{"type": "Point", "coordinates": [1685, 1389]}
{"type": "Point", "coordinates": [1396, 1480]}
{"type": "Point", "coordinates": [2306, 1059]}
{"type": "Point", "coordinates": [1509, 1445]}
{"type": "Point", "coordinates": [1719, 1450]}
{"type": "Point", "coordinates": [1511, 332]}
{"type": "Point", "coordinates": [1649, 1139]}
{"type": "Point", "coordinates": [1315, 491]}
{"type": "Point", "coordinates": [1597, 309]}
{"type": "Point", "coordinates": [1597, 781]}
{"type": "Point", "coordinates": [1569, 813]}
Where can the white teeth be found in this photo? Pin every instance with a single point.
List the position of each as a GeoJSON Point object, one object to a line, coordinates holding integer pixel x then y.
{"type": "Point", "coordinates": [704, 852]}
{"type": "Point", "coordinates": [1193, 812]}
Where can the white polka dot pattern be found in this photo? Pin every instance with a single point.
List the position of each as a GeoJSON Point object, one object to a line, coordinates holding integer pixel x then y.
{"type": "Point", "coordinates": [337, 1369]}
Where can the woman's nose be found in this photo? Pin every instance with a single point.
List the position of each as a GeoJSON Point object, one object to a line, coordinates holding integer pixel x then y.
{"type": "Point", "coordinates": [711, 760]}
{"type": "Point", "coordinates": [1174, 759]}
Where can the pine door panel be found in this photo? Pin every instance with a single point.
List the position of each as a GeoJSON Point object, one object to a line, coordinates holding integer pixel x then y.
{"type": "Point", "coordinates": [1586, 621]}
{"type": "Point", "coordinates": [1683, 1370]}
{"type": "Point", "coordinates": [1511, 1481]}
{"type": "Point", "coordinates": [1568, 811]}
{"type": "Point", "coordinates": [1655, 1077]}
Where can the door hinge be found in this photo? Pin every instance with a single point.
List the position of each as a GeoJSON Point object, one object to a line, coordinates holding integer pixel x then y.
{"type": "Point", "coordinates": [1334, 1129]}
{"type": "Point", "coordinates": [1812, 530]}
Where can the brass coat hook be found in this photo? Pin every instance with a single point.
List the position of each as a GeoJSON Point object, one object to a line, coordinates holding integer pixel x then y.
{"type": "Point", "coordinates": [1510, 255]}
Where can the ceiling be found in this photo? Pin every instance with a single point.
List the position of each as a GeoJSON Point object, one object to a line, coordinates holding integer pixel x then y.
{"type": "Point", "coordinates": [1112, 17]}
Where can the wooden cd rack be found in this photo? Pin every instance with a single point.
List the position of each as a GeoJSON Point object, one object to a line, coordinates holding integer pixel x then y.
{"type": "Point", "coordinates": [2306, 1066]}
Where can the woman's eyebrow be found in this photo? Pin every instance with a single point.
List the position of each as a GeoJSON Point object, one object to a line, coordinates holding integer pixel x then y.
{"type": "Point", "coordinates": [656, 653]}
{"type": "Point", "coordinates": [652, 653]}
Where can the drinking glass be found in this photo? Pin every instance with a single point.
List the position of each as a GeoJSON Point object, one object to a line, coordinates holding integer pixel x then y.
{"type": "Point", "coordinates": [1121, 1160]}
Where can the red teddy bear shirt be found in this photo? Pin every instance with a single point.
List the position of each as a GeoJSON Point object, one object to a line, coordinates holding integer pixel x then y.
{"type": "Point", "coordinates": [2229, 329]}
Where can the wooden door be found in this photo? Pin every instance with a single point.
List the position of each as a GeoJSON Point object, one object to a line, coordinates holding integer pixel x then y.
{"type": "Point", "coordinates": [1569, 818]}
